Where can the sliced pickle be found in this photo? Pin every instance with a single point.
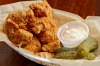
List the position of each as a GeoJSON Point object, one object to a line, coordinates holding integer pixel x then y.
{"type": "Point", "coordinates": [86, 46]}
{"type": "Point", "coordinates": [65, 49]}
{"type": "Point", "coordinates": [66, 55]}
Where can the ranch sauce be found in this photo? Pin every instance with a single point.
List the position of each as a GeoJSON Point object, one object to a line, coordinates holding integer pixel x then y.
{"type": "Point", "coordinates": [72, 34]}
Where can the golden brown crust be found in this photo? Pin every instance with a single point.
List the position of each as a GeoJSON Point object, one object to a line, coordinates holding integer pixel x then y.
{"type": "Point", "coordinates": [41, 9]}
{"type": "Point", "coordinates": [52, 46]}
{"type": "Point", "coordinates": [23, 37]}
{"type": "Point", "coordinates": [35, 29]}
{"type": "Point", "coordinates": [48, 36]}
{"type": "Point", "coordinates": [33, 46]}
{"type": "Point", "coordinates": [10, 28]}
{"type": "Point", "coordinates": [18, 17]}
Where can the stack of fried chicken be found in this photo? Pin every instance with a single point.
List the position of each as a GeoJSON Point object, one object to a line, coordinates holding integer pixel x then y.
{"type": "Point", "coordinates": [33, 29]}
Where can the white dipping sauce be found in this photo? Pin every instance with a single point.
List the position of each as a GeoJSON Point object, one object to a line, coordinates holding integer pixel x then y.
{"type": "Point", "coordinates": [73, 33]}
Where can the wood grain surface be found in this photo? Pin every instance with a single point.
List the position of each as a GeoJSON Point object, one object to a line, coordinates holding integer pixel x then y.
{"type": "Point", "coordinates": [84, 8]}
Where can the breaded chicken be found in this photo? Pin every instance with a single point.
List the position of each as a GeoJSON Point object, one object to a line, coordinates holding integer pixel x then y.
{"type": "Point", "coordinates": [43, 24]}
{"type": "Point", "coordinates": [48, 36]}
{"type": "Point", "coordinates": [30, 18]}
{"type": "Point", "coordinates": [19, 17]}
{"type": "Point", "coordinates": [34, 29]}
{"type": "Point", "coordinates": [39, 24]}
{"type": "Point", "coordinates": [40, 17]}
{"type": "Point", "coordinates": [10, 28]}
{"type": "Point", "coordinates": [41, 9]}
{"type": "Point", "coordinates": [22, 37]}
{"type": "Point", "coordinates": [52, 46]}
{"type": "Point", "coordinates": [33, 46]}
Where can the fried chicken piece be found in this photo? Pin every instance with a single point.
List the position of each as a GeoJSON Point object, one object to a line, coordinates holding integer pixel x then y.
{"type": "Point", "coordinates": [43, 24]}
{"type": "Point", "coordinates": [22, 37]}
{"type": "Point", "coordinates": [34, 46]}
{"type": "Point", "coordinates": [21, 25]}
{"type": "Point", "coordinates": [40, 17]}
{"type": "Point", "coordinates": [48, 36]}
{"type": "Point", "coordinates": [10, 28]}
{"type": "Point", "coordinates": [30, 18]}
{"type": "Point", "coordinates": [39, 24]}
{"type": "Point", "coordinates": [19, 17]}
{"type": "Point", "coordinates": [41, 9]}
{"type": "Point", "coordinates": [52, 46]}
{"type": "Point", "coordinates": [45, 54]}
{"type": "Point", "coordinates": [37, 29]}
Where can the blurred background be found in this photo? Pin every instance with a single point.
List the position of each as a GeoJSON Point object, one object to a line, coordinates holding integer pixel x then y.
{"type": "Point", "coordinates": [83, 8]}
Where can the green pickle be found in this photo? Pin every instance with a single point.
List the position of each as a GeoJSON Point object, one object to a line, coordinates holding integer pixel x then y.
{"type": "Point", "coordinates": [83, 51]}
{"type": "Point", "coordinates": [65, 49]}
{"type": "Point", "coordinates": [86, 46]}
{"type": "Point", "coordinates": [66, 53]}
{"type": "Point", "coordinates": [90, 56]}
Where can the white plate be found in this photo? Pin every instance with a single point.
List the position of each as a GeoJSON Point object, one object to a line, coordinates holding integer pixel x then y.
{"type": "Point", "coordinates": [60, 17]}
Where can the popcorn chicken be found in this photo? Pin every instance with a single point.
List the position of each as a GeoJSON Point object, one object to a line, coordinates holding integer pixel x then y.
{"type": "Point", "coordinates": [33, 46]}
{"type": "Point", "coordinates": [42, 24]}
{"type": "Point", "coordinates": [48, 36]}
{"type": "Point", "coordinates": [22, 37]}
{"type": "Point", "coordinates": [52, 46]}
{"type": "Point", "coordinates": [18, 17]}
{"type": "Point", "coordinates": [41, 9]}
{"type": "Point", "coordinates": [42, 17]}
{"type": "Point", "coordinates": [33, 29]}
{"type": "Point", "coordinates": [10, 28]}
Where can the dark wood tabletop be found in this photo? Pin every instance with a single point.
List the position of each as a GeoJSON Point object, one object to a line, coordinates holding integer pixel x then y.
{"type": "Point", "coordinates": [84, 8]}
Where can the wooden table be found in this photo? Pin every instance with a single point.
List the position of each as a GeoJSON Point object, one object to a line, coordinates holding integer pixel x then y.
{"type": "Point", "coordinates": [84, 8]}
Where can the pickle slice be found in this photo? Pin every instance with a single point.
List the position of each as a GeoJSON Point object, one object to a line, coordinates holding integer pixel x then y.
{"type": "Point", "coordinates": [69, 54]}
{"type": "Point", "coordinates": [90, 56]}
{"type": "Point", "coordinates": [86, 46]}
{"type": "Point", "coordinates": [65, 49]}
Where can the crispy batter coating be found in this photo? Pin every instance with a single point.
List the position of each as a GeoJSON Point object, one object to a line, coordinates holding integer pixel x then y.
{"type": "Point", "coordinates": [19, 17]}
{"type": "Point", "coordinates": [52, 46]}
{"type": "Point", "coordinates": [41, 9]}
{"type": "Point", "coordinates": [22, 37]}
{"type": "Point", "coordinates": [39, 24]}
{"type": "Point", "coordinates": [48, 36]}
{"type": "Point", "coordinates": [42, 24]}
{"type": "Point", "coordinates": [34, 29]}
{"type": "Point", "coordinates": [33, 46]}
{"type": "Point", "coordinates": [41, 17]}
{"type": "Point", "coordinates": [10, 28]}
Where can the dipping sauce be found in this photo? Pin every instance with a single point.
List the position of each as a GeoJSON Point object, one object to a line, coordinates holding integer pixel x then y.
{"type": "Point", "coordinates": [73, 33]}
